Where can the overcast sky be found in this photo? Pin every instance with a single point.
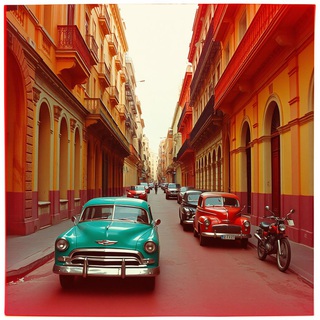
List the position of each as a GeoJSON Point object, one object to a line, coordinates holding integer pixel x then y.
{"type": "Point", "coordinates": [158, 36]}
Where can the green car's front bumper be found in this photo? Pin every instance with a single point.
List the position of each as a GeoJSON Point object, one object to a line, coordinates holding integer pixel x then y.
{"type": "Point", "coordinates": [106, 263]}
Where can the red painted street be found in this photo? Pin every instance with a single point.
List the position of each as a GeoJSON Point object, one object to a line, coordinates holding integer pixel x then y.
{"type": "Point", "coordinates": [220, 279]}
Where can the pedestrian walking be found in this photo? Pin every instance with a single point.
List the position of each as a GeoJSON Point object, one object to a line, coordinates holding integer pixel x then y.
{"type": "Point", "coordinates": [156, 188]}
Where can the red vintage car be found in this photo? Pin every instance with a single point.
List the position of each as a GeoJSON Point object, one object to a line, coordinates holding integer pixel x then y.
{"type": "Point", "coordinates": [218, 215]}
{"type": "Point", "coordinates": [137, 192]}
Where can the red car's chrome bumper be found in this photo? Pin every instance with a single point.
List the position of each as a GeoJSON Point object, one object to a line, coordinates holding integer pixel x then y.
{"type": "Point", "coordinates": [230, 235]}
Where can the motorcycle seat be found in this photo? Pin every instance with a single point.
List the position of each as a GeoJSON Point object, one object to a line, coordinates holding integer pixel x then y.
{"type": "Point", "coordinates": [265, 225]}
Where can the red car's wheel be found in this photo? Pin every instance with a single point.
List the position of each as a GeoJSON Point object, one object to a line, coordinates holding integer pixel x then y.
{"type": "Point", "coordinates": [244, 243]}
{"type": "Point", "coordinates": [203, 240]}
{"type": "Point", "coordinates": [195, 232]}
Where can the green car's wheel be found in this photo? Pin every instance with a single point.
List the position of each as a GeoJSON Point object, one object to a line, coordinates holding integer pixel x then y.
{"type": "Point", "coordinates": [150, 283]}
{"type": "Point", "coordinates": [66, 282]}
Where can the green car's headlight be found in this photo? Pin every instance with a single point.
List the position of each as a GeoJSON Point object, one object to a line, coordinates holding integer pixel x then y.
{"type": "Point", "coordinates": [62, 244]}
{"type": "Point", "coordinates": [150, 247]}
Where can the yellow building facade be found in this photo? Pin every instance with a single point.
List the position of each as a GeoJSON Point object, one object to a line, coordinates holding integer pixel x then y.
{"type": "Point", "coordinates": [66, 111]}
{"type": "Point", "coordinates": [253, 110]}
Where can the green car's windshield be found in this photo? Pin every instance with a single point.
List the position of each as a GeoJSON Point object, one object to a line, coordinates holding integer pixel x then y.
{"type": "Point", "coordinates": [130, 213]}
{"type": "Point", "coordinates": [97, 212]}
{"type": "Point", "coordinates": [134, 214]}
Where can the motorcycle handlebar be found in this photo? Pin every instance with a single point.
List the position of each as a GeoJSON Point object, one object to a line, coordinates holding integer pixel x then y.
{"type": "Point", "coordinates": [276, 217]}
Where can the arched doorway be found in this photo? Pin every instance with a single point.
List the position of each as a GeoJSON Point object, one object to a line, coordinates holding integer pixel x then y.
{"type": "Point", "coordinates": [105, 174]}
{"type": "Point", "coordinates": [44, 165]}
{"type": "Point", "coordinates": [219, 168]}
{"type": "Point", "coordinates": [15, 147]}
{"type": "Point", "coordinates": [275, 160]}
{"type": "Point", "coordinates": [63, 168]}
{"type": "Point", "coordinates": [227, 166]}
{"type": "Point", "coordinates": [246, 172]}
{"type": "Point", "coordinates": [248, 160]}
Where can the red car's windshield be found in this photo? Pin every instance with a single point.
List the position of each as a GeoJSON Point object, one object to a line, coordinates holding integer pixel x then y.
{"type": "Point", "coordinates": [221, 201]}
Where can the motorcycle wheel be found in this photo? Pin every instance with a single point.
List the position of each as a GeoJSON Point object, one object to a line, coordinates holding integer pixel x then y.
{"type": "Point", "coordinates": [283, 259]}
{"type": "Point", "coordinates": [262, 253]}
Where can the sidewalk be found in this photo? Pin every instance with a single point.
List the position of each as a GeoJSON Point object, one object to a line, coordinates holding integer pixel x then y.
{"type": "Point", "coordinates": [25, 253]}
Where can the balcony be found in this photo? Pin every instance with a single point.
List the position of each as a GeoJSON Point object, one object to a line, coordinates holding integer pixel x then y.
{"type": "Point", "coordinates": [112, 43]}
{"type": "Point", "coordinates": [255, 49]}
{"type": "Point", "coordinates": [133, 107]}
{"type": "Point", "coordinates": [129, 120]}
{"type": "Point", "coordinates": [186, 114]}
{"type": "Point", "coordinates": [101, 124]}
{"type": "Point", "coordinates": [185, 150]}
{"type": "Point", "coordinates": [93, 47]}
{"type": "Point", "coordinates": [113, 95]}
{"type": "Point", "coordinates": [118, 63]}
{"type": "Point", "coordinates": [122, 111]}
{"type": "Point", "coordinates": [129, 91]}
{"type": "Point", "coordinates": [208, 122]}
{"type": "Point", "coordinates": [73, 56]}
{"type": "Point", "coordinates": [123, 77]}
{"type": "Point", "coordinates": [104, 20]}
{"type": "Point", "coordinates": [104, 75]}
{"type": "Point", "coordinates": [134, 154]}
{"type": "Point", "coordinates": [209, 50]}
{"type": "Point", "coordinates": [223, 18]}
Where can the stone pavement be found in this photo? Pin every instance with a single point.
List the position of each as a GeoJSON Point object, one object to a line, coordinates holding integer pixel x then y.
{"type": "Point", "coordinates": [25, 253]}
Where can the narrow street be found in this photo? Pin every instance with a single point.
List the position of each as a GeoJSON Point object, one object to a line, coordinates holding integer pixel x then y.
{"type": "Point", "coordinates": [218, 280]}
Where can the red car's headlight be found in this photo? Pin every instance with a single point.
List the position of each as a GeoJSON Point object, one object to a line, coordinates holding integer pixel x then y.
{"type": "Point", "coordinates": [246, 223]}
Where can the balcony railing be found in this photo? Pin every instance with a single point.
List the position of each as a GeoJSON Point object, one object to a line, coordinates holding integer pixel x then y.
{"type": "Point", "coordinates": [204, 118]}
{"type": "Point", "coordinates": [129, 91]}
{"type": "Point", "coordinates": [70, 39]}
{"type": "Point", "coordinates": [113, 95]}
{"type": "Point", "coordinates": [93, 47]}
{"type": "Point", "coordinates": [118, 62]}
{"type": "Point", "coordinates": [101, 118]}
{"type": "Point", "coordinates": [112, 43]}
{"type": "Point", "coordinates": [185, 112]}
{"type": "Point", "coordinates": [133, 107]}
{"type": "Point", "coordinates": [185, 148]}
{"type": "Point", "coordinates": [209, 50]}
{"type": "Point", "coordinates": [104, 75]}
{"type": "Point", "coordinates": [248, 45]}
{"type": "Point", "coordinates": [122, 111]}
{"type": "Point", "coordinates": [104, 20]}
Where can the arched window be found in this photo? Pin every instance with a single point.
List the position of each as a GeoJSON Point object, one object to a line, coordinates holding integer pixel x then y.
{"type": "Point", "coordinates": [44, 153]}
{"type": "Point", "coordinates": [219, 169]}
{"type": "Point", "coordinates": [77, 164]}
{"type": "Point", "coordinates": [64, 160]}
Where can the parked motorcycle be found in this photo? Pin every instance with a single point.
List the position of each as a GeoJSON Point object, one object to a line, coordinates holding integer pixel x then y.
{"type": "Point", "coordinates": [273, 240]}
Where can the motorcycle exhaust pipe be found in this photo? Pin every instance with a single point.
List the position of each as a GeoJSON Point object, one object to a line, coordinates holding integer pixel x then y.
{"type": "Point", "coordinates": [258, 237]}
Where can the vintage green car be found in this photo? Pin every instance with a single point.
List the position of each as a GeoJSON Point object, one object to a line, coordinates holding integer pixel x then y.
{"type": "Point", "coordinates": [112, 237]}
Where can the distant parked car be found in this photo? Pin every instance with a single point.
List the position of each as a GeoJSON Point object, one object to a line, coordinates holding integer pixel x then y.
{"type": "Point", "coordinates": [181, 193]}
{"type": "Point", "coordinates": [138, 192]}
{"type": "Point", "coordinates": [164, 186]}
{"type": "Point", "coordinates": [218, 215]}
{"type": "Point", "coordinates": [112, 237]}
{"type": "Point", "coordinates": [145, 184]}
{"type": "Point", "coordinates": [188, 207]}
{"type": "Point", "coordinates": [172, 190]}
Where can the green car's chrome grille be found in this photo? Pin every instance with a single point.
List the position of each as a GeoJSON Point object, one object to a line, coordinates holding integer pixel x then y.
{"type": "Point", "coordinates": [105, 257]}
